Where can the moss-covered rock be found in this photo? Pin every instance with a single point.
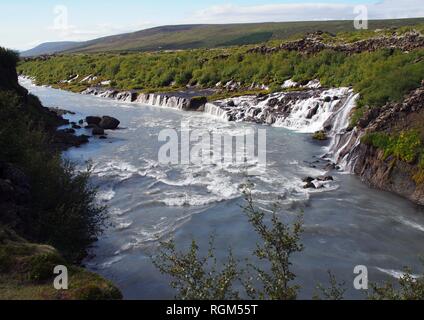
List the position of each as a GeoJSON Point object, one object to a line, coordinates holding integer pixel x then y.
{"type": "Point", "coordinates": [26, 272]}
{"type": "Point", "coordinates": [320, 135]}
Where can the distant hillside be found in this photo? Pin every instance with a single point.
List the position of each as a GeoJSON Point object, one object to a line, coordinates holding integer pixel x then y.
{"type": "Point", "coordinates": [209, 36]}
{"type": "Point", "coordinates": [50, 48]}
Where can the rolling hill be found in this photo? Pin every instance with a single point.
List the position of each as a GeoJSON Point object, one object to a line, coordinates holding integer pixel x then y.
{"type": "Point", "coordinates": [207, 36]}
{"type": "Point", "coordinates": [50, 48]}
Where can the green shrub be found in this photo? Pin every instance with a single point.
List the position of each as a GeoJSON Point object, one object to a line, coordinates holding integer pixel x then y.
{"type": "Point", "coordinates": [380, 77]}
{"type": "Point", "coordinates": [405, 146]}
{"type": "Point", "coordinates": [40, 267]}
{"type": "Point", "coordinates": [64, 211]}
{"type": "Point", "coordinates": [320, 135]}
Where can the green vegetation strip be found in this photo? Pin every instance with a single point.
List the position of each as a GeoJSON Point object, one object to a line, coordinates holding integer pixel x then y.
{"type": "Point", "coordinates": [380, 77]}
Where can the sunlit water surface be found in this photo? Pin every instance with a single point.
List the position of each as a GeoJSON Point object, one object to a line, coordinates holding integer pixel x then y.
{"type": "Point", "coordinates": [347, 225]}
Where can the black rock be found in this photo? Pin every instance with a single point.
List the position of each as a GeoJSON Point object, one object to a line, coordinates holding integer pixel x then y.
{"type": "Point", "coordinates": [196, 103]}
{"type": "Point", "coordinates": [325, 178]}
{"type": "Point", "coordinates": [308, 179]}
{"type": "Point", "coordinates": [330, 166]}
{"type": "Point", "coordinates": [75, 126]}
{"type": "Point", "coordinates": [97, 131]}
{"type": "Point", "coordinates": [273, 102]}
{"type": "Point", "coordinates": [109, 123]}
{"type": "Point", "coordinates": [93, 120]}
{"type": "Point", "coordinates": [309, 185]}
{"type": "Point", "coordinates": [312, 112]}
{"type": "Point", "coordinates": [67, 131]}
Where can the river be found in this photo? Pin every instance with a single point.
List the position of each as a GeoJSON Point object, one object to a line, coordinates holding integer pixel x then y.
{"type": "Point", "coordinates": [346, 224]}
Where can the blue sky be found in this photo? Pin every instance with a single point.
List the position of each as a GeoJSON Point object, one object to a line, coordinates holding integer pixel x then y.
{"type": "Point", "coordinates": [26, 23]}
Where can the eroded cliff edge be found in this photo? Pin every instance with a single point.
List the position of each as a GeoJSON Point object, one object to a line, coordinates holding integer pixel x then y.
{"type": "Point", "coordinates": [389, 155]}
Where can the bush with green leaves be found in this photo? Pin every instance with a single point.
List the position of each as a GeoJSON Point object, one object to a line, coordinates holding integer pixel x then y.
{"type": "Point", "coordinates": [382, 76]}
{"type": "Point", "coordinates": [195, 277]}
{"type": "Point", "coordinates": [64, 212]}
{"type": "Point", "coordinates": [407, 287]}
{"type": "Point", "coordinates": [405, 145]}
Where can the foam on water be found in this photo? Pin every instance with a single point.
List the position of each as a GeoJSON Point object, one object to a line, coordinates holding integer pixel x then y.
{"type": "Point", "coordinates": [411, 224]}
{"type": "Point", "coordinates": [397, 274]}
{"type": "Point", "coordinates": [149, 202]}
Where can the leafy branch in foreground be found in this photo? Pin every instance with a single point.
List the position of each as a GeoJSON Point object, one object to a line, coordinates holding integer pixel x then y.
{"type": "Point", "coordinates": [197, 278]}
{"type": "Point", "coordinates": [407, 287]}
{"type": "Point", "coordinates": [335, 291]}
{"type": "Point", "coordinates": [280, 242]}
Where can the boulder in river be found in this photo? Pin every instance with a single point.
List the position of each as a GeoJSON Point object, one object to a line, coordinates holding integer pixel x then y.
{"type": "Point", "coordinates": [312, 112]}
{"type": "Point", "coordinates": [309, 185]}
{"type": "Point", "coordinates": [197, 102]}
{"type": "Point", "coordinates": [97, 131]}
{"type": "Point", "coordinates": [109, 123]}
{"type": "Point", "coordinates": [308, 179]}
{"type": "Point", "coordinates": [325, 178]}
{"type": "Point", "coordinates": [93, 120]}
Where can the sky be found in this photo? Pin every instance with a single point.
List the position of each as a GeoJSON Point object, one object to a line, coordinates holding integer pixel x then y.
{"type": "Point", "coordinates": [27, 23]}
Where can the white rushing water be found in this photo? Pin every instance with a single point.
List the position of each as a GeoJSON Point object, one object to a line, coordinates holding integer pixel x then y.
{"type": "Point", "coordinates": [346, 224]}
{"type": "Point", "coordinates": [305, 112]}
{"type": "Point", "coordinates": [162, 101]}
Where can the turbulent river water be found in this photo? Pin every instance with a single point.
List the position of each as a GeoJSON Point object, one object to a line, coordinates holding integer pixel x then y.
{"type": "Point", "coordinates": [346, 225]}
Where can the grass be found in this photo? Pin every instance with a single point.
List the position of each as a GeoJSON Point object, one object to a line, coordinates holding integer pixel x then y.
{"type": "Point", "coordinates": [320, 135]}
{"type": "Point", "coordinates": [380, 77]}
{"type": "Point", "coordinates": [405, 146]}
{"type": "Point", "coordinates": [185, 37]}
{"type": "Point", "coordinates": [26, 273]}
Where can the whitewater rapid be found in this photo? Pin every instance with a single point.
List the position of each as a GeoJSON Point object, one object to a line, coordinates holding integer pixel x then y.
{"type": "Point", "coordinates": [346, 225]}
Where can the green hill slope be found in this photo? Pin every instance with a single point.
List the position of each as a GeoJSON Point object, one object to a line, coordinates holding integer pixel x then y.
{"type": "Point", "coordinates": [211, 36]}
{"type": "Point", "coordinates": [218, 35]}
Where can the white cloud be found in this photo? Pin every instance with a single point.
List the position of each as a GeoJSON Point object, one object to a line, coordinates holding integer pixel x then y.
{"type": "Point", "coordinates": [307, 11]}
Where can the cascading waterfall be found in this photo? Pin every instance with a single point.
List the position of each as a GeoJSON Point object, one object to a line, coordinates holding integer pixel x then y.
{"type": "Point", "coordinates": [163, 101]}
{"type": "Point", "coordinates": [302, 119]}
{"type": "Point", "coordinates": [304, 111]}
{"type": "Point", "coordinates": [216, 111]}
{"type": "Point", "coordinates": [343, 141]}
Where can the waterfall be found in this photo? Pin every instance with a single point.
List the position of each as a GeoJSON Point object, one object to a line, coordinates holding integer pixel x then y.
{"type": "Point", "coordinates": [343, 142]}
{"type": "Point", "coordinates": [310, 115]}
{"type": "Point", "coordinates": [159, 100]}
{"type": "Point", "coordinates": [303, 111]}
{"type": "Point", "coordinates": [216, 111]}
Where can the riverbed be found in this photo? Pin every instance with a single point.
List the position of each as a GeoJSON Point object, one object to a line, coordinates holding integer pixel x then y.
{"type": "Point", "coordinates": [346, 224]}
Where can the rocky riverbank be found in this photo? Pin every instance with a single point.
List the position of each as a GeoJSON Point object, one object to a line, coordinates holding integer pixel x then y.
{"type": "Point", "coordinates": [309, 108]}
{"type": "Point", "coordinates": [377, 167]}
{"type": "Point", "coordinates": [314, 42]}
